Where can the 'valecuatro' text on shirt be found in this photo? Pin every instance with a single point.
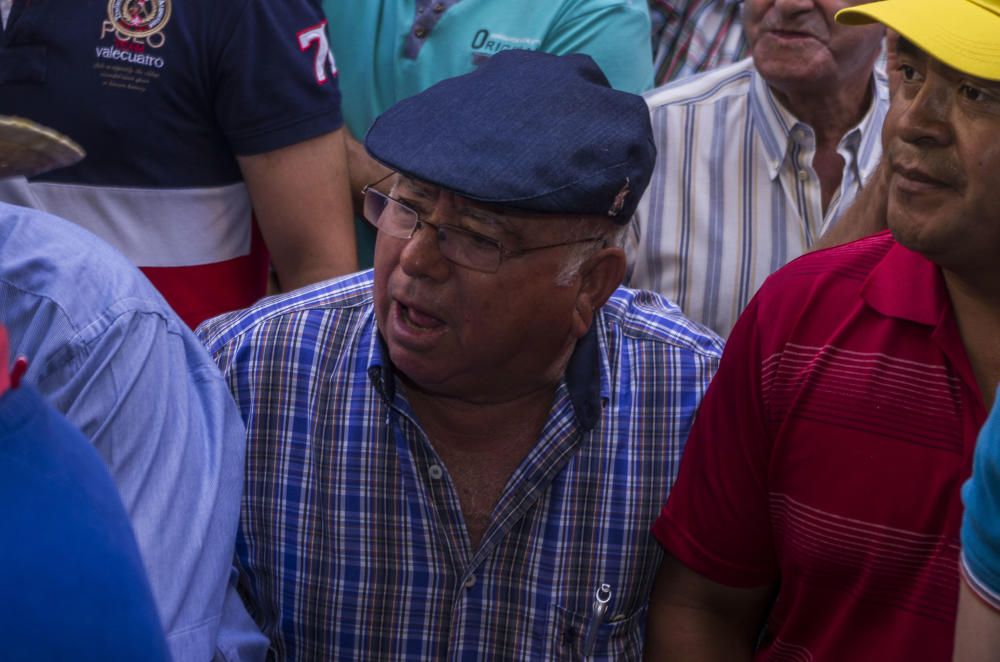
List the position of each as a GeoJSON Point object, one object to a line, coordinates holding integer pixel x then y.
{"type": "Point", "coordinates": [111, 53]}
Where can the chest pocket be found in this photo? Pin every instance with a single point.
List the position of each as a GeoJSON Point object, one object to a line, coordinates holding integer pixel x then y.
{"type": "Point", "coordinates": [617, 638]}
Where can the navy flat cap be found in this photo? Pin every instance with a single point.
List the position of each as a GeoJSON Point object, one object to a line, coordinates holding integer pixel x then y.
{"type": "Point", "coordinates": [526, 130]}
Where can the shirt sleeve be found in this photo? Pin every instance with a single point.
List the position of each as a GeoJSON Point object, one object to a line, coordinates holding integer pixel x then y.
{"type": "Point", "coordinates": [981, 521]}
{"type": "Point", "coordinates": [147, 395]}
{"type": "Point", "coordinates": [616, 33]}
{"type": "Point", "coordinates": [276, 81]}
{"type": "Point", "coordinates": [716, 520]}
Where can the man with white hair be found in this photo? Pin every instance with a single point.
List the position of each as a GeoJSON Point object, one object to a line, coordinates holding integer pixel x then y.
{"type": "Point", "coordinates": [757, 159]}
{"type": "Point", "coordinates": [459, 454]}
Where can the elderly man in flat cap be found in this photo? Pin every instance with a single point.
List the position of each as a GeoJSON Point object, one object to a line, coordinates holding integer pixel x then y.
{"type": "Point", "coordinates": [458, 455]}
{"type": "Point", "coordinates": [818, 497]}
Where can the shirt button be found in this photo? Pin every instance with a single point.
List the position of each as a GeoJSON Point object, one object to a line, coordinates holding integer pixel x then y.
{"type": "Point", "coordinates": [799, 134]}
{"type": "Point", "coordinates": [439, 8]}
{"type": "Point", "coordinates": [470, 581]}
{"type": "Point", "coordinates": [419, 33]}
{"type": "Point", "coordinates": [803, 175]}
{"type": "Point", "coordinates": [435, 471]}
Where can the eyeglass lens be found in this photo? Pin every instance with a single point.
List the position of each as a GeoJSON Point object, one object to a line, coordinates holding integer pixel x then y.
{"type": "Point", "coordinates": [459, 245]}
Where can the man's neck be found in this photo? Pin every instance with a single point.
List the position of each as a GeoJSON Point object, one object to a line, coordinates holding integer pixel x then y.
{"type": "Point", "coordinates": [480, 425]}
{"type": "Point", "coordinates": [830, 113]}
{"type": "Point", "coordinates": [481, 443]}
{"type": "Point", "coordinates": [976, 302]}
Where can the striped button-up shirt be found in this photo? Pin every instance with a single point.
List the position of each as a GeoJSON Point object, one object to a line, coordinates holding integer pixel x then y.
{"type": "Point", "coordinates": [352, 543]}
{"type": "Point", "coordinates": [690, 36]}
{"type": "Point", "coordinates": [734, 195]}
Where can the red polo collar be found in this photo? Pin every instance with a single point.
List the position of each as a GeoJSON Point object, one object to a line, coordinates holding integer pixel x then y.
{"type": "Point", "coordinates": [906, 285]}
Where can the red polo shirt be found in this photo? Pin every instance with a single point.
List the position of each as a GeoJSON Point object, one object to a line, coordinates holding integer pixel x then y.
{"type": "Point", "coordinates": [828, 455]}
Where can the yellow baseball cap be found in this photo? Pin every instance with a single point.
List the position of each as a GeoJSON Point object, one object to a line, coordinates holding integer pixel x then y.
{"type": "Point", "coordinates": [963, 34]}
{"type": "Point", "coordinates": [28, 148]}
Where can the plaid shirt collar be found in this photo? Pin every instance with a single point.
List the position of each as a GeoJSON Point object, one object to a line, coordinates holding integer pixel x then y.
{"type": "Point", "coordinates": [586, 376]}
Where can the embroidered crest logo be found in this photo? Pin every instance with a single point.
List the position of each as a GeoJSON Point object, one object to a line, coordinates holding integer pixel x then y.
{"type": "Point", "coordinates": [619, 202]}
{"type": "Point", "coordinates": [139, 18]}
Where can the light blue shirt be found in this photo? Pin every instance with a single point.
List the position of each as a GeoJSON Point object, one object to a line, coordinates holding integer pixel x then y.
{"type": "Point", "coordinates": [981, 522]}
{"type": "Point", "coordinates": [106, 350]}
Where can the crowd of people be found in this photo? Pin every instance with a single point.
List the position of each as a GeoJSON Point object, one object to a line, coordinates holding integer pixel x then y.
{"type": "Point", "coordinates": [698, 360]}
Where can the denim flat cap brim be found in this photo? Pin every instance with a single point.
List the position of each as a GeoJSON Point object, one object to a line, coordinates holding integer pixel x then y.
{"type": "Point", "coordinates": [526, 130]}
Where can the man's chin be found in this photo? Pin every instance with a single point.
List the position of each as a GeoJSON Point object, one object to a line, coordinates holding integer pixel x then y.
{"type": "Point", "coordinates": [918, 233]}
{"type": "Point", "coordinates": [424, 371]}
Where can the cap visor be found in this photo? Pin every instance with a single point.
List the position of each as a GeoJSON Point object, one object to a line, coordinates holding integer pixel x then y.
{"type": "Point", "coordinates": [960, 33]}
{"type": "Point", "coordinates": [29, 149]}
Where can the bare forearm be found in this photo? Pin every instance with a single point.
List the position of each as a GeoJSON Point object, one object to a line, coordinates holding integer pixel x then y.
{"type": "Point", "coordinates": [692, 618]}
{"type": "Point", "coordinates": [694, 635]}
{"type": "Point", "coordinates": [364, 170]}
{"type": "Point", "coordinates": [977, 629]}
{"type": "Point", "coordinates": [302, 204]}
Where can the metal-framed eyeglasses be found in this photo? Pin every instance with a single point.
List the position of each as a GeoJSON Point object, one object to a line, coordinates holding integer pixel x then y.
{"type": "Point", "coordinates": [463, 247]}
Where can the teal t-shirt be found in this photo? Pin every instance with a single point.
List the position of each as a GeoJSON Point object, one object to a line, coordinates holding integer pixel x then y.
{"type": "Point", "coordinates": [388, 50]}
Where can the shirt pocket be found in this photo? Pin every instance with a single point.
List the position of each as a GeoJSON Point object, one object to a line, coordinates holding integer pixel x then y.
{"type": "Point", "coordinates": [618, 637]}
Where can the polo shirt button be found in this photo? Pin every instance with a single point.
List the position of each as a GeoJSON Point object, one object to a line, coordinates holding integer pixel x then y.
{"type": "Point", "coordinates": [435, 471]}
{"type": "Point", "coordinates": [803, 175]}
{"type": "Point", "coordinates": [419, 33]}
{"type": "Point", "coordinates": [439, 8]}
{"type": "Point", "coordinates": [470, 581]}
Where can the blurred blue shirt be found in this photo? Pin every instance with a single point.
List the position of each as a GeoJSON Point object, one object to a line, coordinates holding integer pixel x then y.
{"type": "Point", "coordinates": [107, 351]}
{"type": "Point", "coordinates": [981, 522]}
{"type": "Point", "coordinates": [67, 541]}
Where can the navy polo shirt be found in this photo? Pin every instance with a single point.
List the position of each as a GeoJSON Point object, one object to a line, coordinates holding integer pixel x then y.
{"type": "Point", "coordinates": [162, 95]}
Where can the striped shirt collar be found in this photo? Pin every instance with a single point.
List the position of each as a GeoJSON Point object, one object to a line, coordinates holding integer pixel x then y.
{"type": "Point", "coordinates": [586, 376]}
{"type": "Point", "coordinates": [777, 127]}
{"type": "Point", "coordinates": [676, 7]}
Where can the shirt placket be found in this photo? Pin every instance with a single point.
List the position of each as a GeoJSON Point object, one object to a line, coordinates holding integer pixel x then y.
{"type": "Point", "coordinates": [426, 484]}
{"type": "Point", "coordinates": [442, 499]}
{"type": "Point", "coordinates": [557, 444]}
{"type": "Point", "coordinates": [427, 14]}
{"type": "Point", "coordinates": [802, 183]}
{"type": "Point", "coordinates": [474, 570]}
{"type": "Point", "coordinates": [850, 178]}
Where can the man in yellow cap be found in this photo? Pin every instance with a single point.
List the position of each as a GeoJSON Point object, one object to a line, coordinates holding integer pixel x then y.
{"type": "Point", "coordinates": [817, 509]}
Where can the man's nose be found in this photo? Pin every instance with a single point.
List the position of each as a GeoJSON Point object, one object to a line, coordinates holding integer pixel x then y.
{"type": "Point", "coordinates": [421, 256]}
{"type": "Point", "coordinates": [793, 7]}
{"type": "Point", "coordinates": [926, 116]}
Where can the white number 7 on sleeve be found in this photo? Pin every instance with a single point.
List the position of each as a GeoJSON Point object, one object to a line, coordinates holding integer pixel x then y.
{"type": "Point", "coordinates": [317, 34]}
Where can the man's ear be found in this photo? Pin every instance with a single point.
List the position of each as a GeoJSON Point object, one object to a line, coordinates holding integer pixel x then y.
{"type": "Point", "coordinates": [600, 276]}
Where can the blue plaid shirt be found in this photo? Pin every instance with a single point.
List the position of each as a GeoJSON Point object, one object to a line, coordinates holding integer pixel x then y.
{"type": "Point", "coordinates": [352, 543]}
